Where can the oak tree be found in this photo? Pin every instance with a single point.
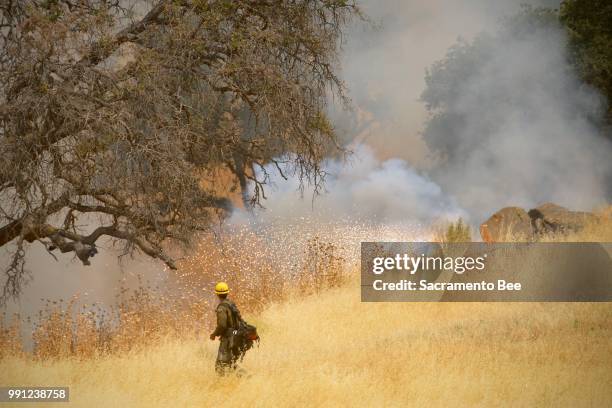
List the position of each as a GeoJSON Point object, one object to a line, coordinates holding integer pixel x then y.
{"type": "Point", "coordinates": [115, 116]}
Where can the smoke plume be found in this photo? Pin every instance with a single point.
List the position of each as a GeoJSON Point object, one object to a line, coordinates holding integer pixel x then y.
{"type": "Point", "coordinates": [511, 123]}
{"type": "Point", "coordinates": [363, 189]}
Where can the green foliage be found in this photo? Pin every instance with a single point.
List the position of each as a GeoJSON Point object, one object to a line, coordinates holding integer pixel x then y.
{"type": "Point", "coordinates": [458, 232]}
{"type": "Point", "coordinates": [589, 26]}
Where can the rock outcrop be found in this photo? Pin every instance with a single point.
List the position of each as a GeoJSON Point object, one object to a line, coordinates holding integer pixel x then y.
{"type": "Point", "coordinates": [514, 223]}
{"type": "Point", "coordinates": [507, 222]}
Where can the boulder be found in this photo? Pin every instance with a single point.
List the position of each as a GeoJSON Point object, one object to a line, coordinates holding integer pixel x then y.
{"type": "Point", "coordinates": [551, 218]}
{"type": "Point", "coordinates": [514, 223]}
{"type": "Point", "coordinates": [508, 223]}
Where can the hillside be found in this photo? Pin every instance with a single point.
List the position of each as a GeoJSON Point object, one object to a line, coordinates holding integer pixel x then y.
{"type": "Point", "coordinates": [331, 349]}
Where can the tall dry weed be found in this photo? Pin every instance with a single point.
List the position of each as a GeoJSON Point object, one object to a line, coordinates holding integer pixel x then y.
{"type": "Point", "coordinates": [10, 338]}
{"type": "Point", "coordinates": [145, 315]}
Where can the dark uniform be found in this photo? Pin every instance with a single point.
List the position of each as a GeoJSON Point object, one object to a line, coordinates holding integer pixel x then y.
{"type": "Point", "coordinates": [226, 357]}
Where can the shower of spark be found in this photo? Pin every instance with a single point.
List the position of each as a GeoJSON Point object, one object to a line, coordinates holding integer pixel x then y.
{"type": "Point", "coordinates": [252, 254]}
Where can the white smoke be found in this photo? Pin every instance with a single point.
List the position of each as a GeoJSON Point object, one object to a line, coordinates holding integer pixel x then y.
{"type": "Point", "coordinates": [523, 134]}
{"type": "Point", "coordinates": [364, 188]}
{"type": "Point", "coordinates": [384, 65]}
{"type": "Point", "coordinates": [518, 126]}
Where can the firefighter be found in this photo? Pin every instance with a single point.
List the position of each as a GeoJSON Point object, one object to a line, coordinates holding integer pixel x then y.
{"type": "Point", "coordinates": [226, 323]}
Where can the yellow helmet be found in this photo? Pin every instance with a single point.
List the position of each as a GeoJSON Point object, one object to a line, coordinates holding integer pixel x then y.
{"type": "Point", "coordinates": [221, 288]}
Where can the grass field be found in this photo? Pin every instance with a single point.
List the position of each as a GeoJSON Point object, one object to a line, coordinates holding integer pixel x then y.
{"type": "Point", "coordinates": [332, 350]}
{"type": "Point", "coordinates": [323, 349]}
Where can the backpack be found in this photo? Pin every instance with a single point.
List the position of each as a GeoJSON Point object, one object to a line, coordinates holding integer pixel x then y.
{"type": "Point", "coordinates": [242, 336]}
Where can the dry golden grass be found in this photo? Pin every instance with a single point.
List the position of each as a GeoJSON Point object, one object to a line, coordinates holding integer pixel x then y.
{"type": "Point", "coordinates": [10, 342]}
{"type": "Point", "coordinates": [143, 316]}
{"type": "Point", "coordinates": [321, 346]}
{"type": "Point", "coordinates": [332, 350]}
{"type": "Point", "coordinates": [598, 231]}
